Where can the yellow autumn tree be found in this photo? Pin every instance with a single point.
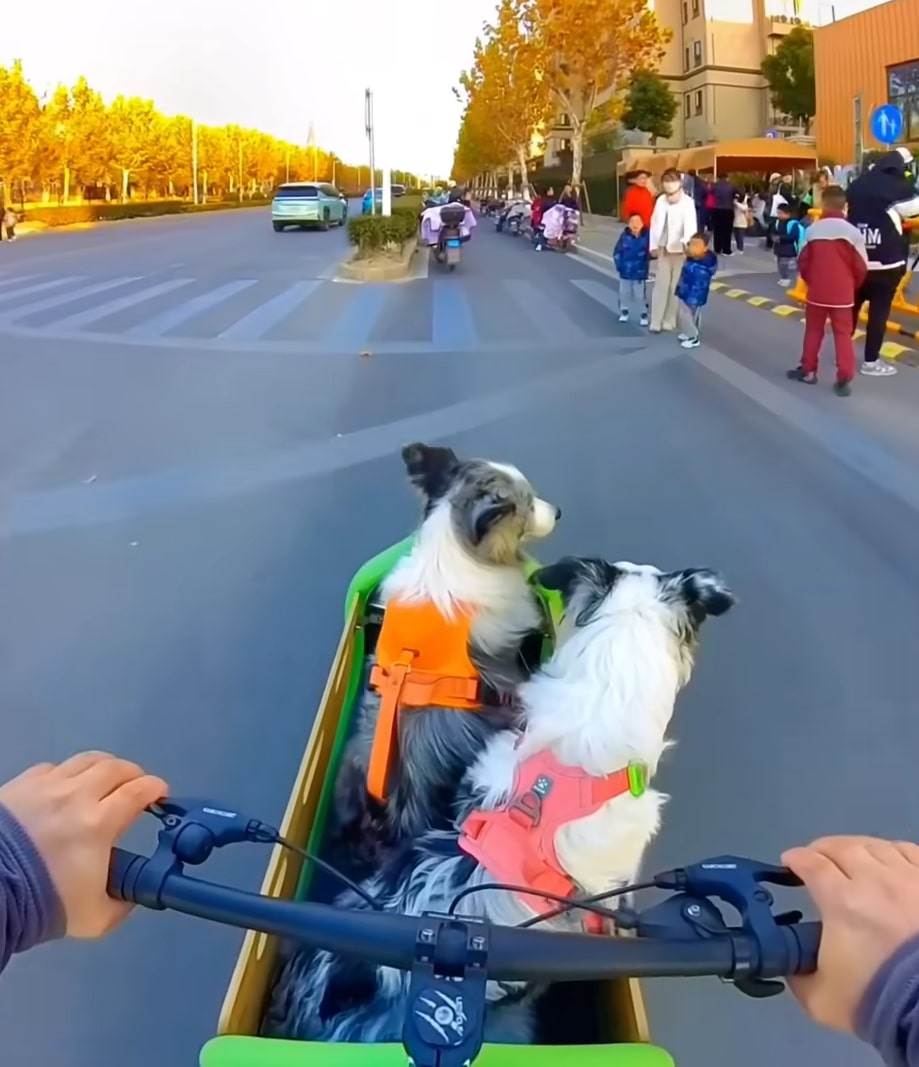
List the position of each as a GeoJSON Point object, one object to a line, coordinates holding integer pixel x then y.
{"type": "Point", "coordinates": [71, 143]}
{"type": "Point", "coordinates": [588, 50]}
{"type": "Point", "coordinates": [479, 152]}
{"type": "Point", "coordinates": [507, 84]}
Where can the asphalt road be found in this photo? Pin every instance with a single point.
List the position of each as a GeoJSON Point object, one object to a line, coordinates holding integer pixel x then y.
{"type": "Point", "coordinates": [190, 472]}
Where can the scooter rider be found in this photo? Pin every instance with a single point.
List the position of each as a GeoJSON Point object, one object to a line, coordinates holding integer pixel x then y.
{"type": "Point", "coordinates": [879, 200]}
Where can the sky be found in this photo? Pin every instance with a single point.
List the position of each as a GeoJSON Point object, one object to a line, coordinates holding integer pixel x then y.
{"type": "Point", "coordinates": [292, 63]}
{"type": "Point", "coordinates": [275, 68]}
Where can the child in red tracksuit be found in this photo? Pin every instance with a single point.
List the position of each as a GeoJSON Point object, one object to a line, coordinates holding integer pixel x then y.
{"type": "Point", "coordinates": [833, 262]}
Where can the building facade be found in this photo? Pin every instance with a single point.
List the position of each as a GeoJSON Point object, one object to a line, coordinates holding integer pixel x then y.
{"type": "Point", "coordinates": [863, 61]}
{"type": "Point", "coordinates": [714, 68]}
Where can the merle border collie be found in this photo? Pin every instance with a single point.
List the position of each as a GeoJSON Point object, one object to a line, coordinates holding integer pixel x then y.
{"type": "Point", "coordinates": [624, 650]}
{"type": "Point", "coordinates": [467, 556]}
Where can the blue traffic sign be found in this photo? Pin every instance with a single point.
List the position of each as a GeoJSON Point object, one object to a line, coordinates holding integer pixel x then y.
{"type": "Point", "coordinates": [772, 134]}
{"type": "Point", "coordinates": [887, 124]}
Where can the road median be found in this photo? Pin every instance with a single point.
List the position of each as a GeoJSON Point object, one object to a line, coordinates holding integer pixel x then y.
{"type": "Point", "coordinates": [73, 217]}
{"type": "Point", "coordinates": [383, 244]}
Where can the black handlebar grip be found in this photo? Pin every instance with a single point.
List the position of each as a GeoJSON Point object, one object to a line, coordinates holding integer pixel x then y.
{"type": "Point", "coordinates": [122, 869]}
{"type": "Point", "coordinates": [806, 946]}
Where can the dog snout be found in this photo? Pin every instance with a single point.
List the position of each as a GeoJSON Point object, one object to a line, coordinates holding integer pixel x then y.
{"type": "Point", "coordinates": [544, 518]}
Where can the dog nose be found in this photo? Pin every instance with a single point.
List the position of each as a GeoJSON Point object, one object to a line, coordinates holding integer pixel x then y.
{"type": "Point", "coordinates": [558, 514]}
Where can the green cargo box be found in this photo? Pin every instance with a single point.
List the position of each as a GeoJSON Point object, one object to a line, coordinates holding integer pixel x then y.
{"type": "Point", "coordinates": [619, 1021]}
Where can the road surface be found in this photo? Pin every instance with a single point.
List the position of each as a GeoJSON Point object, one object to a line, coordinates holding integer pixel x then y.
{"type": "Point", "coordinates": [194, 457]}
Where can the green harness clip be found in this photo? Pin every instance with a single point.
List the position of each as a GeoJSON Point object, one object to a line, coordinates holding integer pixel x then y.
{"type": "Point", "coordinates": [638, 778]}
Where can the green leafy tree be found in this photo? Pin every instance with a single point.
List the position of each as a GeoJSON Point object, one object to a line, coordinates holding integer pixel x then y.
{"type": "Point", "coordinates": [789, 73]}
{"type": "Point", "coordinates": [650, 106]}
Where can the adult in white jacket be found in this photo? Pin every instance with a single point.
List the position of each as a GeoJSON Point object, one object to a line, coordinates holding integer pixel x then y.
{"type": "Point", "coordinates": [673, 223]}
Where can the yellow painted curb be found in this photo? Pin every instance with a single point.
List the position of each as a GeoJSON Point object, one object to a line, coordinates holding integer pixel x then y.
{"type": "Point", "coordinates": [889, 350]}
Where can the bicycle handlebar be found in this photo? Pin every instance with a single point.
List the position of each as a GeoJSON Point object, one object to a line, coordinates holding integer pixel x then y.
{"type": "Point", "coordinates": [683, 935]}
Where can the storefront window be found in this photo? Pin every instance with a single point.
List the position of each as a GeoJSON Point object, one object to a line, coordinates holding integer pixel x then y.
{"type": "Point", "coordinates": [903, 90]}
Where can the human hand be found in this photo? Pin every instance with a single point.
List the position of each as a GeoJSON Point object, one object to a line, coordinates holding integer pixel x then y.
{"type": "Point", "coordinates": [867, 893]}
{"type": "Point", "coordinates": [74, 812]}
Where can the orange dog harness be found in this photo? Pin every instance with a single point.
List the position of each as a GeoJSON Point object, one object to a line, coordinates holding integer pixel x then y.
{"type": "Point", "coordinates": [516, 843]}
{"type": "Point", "coordinates": [422, 659]}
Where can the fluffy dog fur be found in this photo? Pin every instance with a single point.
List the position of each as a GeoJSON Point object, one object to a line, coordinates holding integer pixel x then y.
{"type": "Point", "coordinates": [625, 649]}
{"type": "Point", "coordinates": [477, 514]}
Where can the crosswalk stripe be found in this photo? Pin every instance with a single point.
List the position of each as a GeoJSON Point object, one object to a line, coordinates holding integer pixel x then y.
{"type": "Point", "coordinates": [260, 320]}
{"type": "Point", "coordinates": [603, 294]}
{"type": "Point", "coordinates": [168, 320]}
{"type": "Point", "coordinates": [101, 311]}
{"type": "Point", "coordinates": [65, 298]}
{"type": "Point", "coordinates": [357, 319]}
{"type": "Point", "coordinates": [452, 324]}
{"type": "Point", "coordinates": [17, 294]}
{"type": "Point", "coordinates": [14, 279]}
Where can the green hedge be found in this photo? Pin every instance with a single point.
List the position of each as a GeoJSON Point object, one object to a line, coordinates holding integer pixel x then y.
{"type": "Point", "coordinates": [70, 214]}
{"type": "Point", "coordinates": [372, 232]}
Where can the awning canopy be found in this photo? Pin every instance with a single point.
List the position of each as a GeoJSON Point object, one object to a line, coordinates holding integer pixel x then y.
{"type": "Point", "coordinates": [655, 164]}
{"type": "Point", "coordinates": [754, 154]}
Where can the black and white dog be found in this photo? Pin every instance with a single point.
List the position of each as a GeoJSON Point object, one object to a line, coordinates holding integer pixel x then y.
{"type": "Point", "coordinates": [602, 703]}
{"type": "Point", "coordinates": [467, 560]}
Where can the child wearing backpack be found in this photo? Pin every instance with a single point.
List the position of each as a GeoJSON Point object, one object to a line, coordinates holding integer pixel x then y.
{"type": "Point", "coordinates": [787, 242]}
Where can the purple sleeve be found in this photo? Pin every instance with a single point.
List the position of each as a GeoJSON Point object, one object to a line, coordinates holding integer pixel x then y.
{"type": "Point", "coordinates": [888, 1017]}
{"type": "Point", "coordinates": [30, 909]}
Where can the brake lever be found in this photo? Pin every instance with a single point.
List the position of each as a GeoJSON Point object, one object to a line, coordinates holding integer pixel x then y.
{"type": "Point", "coordinates": [741, 883]}
{"type": "Point", "coordinates": [193, 828]}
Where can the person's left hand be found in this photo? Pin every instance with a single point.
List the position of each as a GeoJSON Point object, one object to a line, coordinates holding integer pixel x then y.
{"type": "Point", "coordinates": [73, 813]}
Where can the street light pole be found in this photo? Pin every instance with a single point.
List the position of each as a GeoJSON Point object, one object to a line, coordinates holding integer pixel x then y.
{"type": "Point", "coordinates": [287, 166]}
{"type": "Point", "coordinates": [240, 179]}
{"type": "Point", "coordinates": [368, 126]}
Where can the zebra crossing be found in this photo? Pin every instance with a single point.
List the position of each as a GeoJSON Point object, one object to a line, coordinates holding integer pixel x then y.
{"type": "Point", "coordinates": [431, 315]}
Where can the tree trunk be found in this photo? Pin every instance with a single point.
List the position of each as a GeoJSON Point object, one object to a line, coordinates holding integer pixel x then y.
{"type": "Point", "coordinates": [125, 185]}
{"type": "Point", "coordinates": [524, 177]}
{"type": "Point", "coordinates": [577, 152]}
{"type": "Point", "coordinates": [511, 175]}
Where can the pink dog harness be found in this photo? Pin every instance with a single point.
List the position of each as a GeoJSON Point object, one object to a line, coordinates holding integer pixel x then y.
{"type": "Point", "coordinates": [516, 843]}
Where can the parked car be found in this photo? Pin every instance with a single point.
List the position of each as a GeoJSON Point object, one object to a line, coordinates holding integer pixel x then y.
{"type": "Point", "coordinates": [397, 191]}
{"type": "Point", "coordinates": [305, 204]}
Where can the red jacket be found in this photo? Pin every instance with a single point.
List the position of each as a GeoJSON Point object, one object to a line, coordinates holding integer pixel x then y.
{"type": "Point", "coordinates": [638, 200]}
{"type": "Point", "coordinates": [833, 261]}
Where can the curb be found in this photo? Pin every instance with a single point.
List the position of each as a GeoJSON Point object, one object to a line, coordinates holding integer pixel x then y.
{"type": "Point", "coordinates": [889, 350]}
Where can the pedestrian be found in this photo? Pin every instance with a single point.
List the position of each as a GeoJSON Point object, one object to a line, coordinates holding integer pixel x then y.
{"type": "Point", "coordinates": [9, 221]}
{"type": "Point", "coordinates": [879, 200]}
{"type": "Point", "coordinates": [834, 262]}
{"type": "Point", "coordinates": [569, 199]}
{"type": "Point", "coordinates": [741, 219]}
{"type": "Point", "coordinates": [673, 223]}
{"type": "Point", "coordinates": [779, 193]}
{"type": "Point", "coordinates": [786, 241]}
{"type": "Point", "coordinates": [632, 262]}
{"type": "Point", "coordinates": [693, 288]}
{"type": "Point", "coordinates": [638, 199]}
{"type": "Point", "coordinates": [723, 194]}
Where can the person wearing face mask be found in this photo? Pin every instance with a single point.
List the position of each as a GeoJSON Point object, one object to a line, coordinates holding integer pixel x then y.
{"type": "Point", "coordinates": [673, 223]}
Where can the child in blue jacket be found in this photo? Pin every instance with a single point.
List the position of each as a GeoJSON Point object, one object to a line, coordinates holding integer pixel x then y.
{"type": "Point", "coordinates": [631, 257]}
{"type": "Point", "coordinates": [693, 288]}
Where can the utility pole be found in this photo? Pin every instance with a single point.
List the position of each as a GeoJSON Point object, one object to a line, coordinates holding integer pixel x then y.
{"type": "Point", "coordinates": [368, 126]}
{"type": "Point", "coordinates": [287, 167]}
{"type": "Point", "coordinates": [194, 158]}
{"type": "Point", "coordinates": [240, 178]}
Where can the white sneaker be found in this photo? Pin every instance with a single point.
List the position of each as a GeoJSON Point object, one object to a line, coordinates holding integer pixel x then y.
{"type": "Point", "coordinates": [623, 316]}
{"type": "Point", "coordinates": [784, 283]}
{"type": "Point", "coordinates": [690, 342]}
{"type": "Point", "coordinates": [878, 369]}
{"type": "Point", "coordinates": [643, 321]}
{"type": "Point", "coordinates": [682, 336]}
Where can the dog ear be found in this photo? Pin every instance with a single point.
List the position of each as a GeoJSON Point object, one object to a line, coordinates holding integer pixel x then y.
{"type": "Point", "coordinates": [428, 468]}
{"type": "Point", "coordinates": [595, 577]}
{"type": "Point", "coordinates": [484, 516]}
{"type": "Point", "coordinates": [704, 591]}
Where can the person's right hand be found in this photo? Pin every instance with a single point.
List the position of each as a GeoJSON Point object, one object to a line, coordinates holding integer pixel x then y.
{"type": "Point", "coordinates": [867, 893]}
{"type": "Point", "coordinates": [74, 813]}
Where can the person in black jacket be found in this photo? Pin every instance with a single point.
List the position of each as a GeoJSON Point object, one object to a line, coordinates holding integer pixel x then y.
{"type": "Point", "coordinates": [878, 201]}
